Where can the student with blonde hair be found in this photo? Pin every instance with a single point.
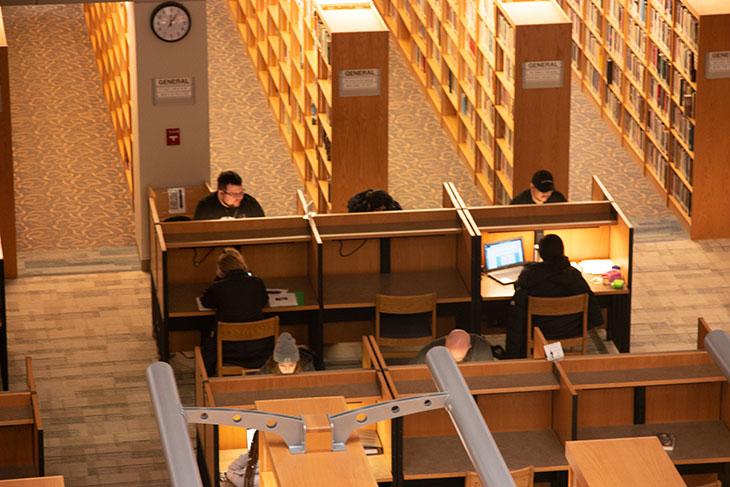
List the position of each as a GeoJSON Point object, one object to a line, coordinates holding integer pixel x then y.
{"type": "Point", "coordinates": [237, 296]}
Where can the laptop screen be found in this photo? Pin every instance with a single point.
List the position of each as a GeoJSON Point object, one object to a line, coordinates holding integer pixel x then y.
{"type": "Point", "coordinates": [501, 254]}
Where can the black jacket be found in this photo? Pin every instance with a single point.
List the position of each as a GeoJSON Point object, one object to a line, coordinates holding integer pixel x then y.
{"type": "Point", "coordinates": [525, 198]}
{"type": "Point", "coordinates": [543, 279]}
{"type": "Point", "coordinates": [210, 208]}
{"type": "Point", "coordinates": [238, 297]}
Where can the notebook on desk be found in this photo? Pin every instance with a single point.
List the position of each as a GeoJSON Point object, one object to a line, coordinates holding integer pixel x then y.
{"type": "Point", "coordinates": [503, 261]}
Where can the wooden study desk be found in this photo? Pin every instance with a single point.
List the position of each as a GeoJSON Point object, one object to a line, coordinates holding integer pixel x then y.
{"type": "Point", "coordinates": [682, 393]}
{"type": "Point", "coordinates": [594, 229]}
{"type": "Point", "coordinates": [54, 481]}
{"type": "Point", "coordinates": [626, 462]}
{"type": "Point", "coordinates": [184, 256]}
{"type": "Point", "coordinates": [398, 253]}
{"type": "Point", "coordinates": [527, 407]}
{"type": "Point", "coordinates": [279, 468]}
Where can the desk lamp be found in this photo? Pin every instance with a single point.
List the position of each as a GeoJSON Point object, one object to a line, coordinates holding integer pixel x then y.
{"type": "Point", "coordinates": [454, 396]}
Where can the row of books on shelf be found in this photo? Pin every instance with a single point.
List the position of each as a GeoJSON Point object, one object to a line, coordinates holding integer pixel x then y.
{"type": "Point", "coordinates": [681, 193]}
{"type": "Point", "coordinates": [683, 92]}
{"type": "Point", "coordinates": [614, 76]}
{"type": "Point", "coordinates": [657, 162]}
{"type": "Point", "coordinates": [614, 42]}
{"type": "Point", "coordinates": [664, 6]}
{"type": "Point", "coordinates": [636, 37]}
{"type": "Point", "coordinates": [659, 96]}
{"type": "Point", "coordinates": [662, 65]}
{"type": "Point", "coordinates": [637, 8]}
{"type": "Point", "coordinates": [615, 11]}
{"type": "Point", "coordinates": [505, 33]}
{"type": "Point", "coordinates": [661, 31]}
{"type": "Point", "coordinates": [686, 58]}
{"type": "Point", "coordinates": [684, 127]}
{"type": "Point", "coordinates": [687, 24]}
{"type": "Point", "coordinates": [682, 161]}
{"type": "Point", "coordinates": [658, 130]}
{"type": "Point", "coordinates": [594, 18]}
{"type": "Point", "coordinates": [634, 133]}
{"type": "Point", "coordinates": [615, 108]}
{"type": "Point", "coordinates": [323, 37]}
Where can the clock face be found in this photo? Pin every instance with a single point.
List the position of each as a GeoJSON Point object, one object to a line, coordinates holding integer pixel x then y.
{"type": "Point", "coordinates": [170, 21]}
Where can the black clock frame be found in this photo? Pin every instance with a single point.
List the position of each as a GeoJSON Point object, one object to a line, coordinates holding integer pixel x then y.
{"type": "Point", "coordinates": [170, 4]}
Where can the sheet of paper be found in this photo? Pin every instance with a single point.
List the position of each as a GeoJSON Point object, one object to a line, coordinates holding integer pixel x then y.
{"type": "Point", "coordinates": [596, 266]}
{"type": "Point", "coordinates": [200, 305]}
{"type": "Point", "coordinates": [282, 299]}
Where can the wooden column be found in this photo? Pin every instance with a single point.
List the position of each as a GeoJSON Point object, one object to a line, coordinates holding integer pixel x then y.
{"type": "Point", "coordinates": [7, 191]}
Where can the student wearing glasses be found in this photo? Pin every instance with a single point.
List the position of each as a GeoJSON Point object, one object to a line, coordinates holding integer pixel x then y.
{"type": "Point", "coordinates": [228, 201]}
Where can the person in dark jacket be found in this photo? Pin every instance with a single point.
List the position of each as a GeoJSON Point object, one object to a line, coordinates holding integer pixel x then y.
{"type": "Point", "coordinates": [541, 190]}
{"type": "Point", "coordinates": [372, 200]}
{"type": "Point", "coordinates": [553, 277]}
{"type": "Point", "coordinates": [237, 296]}
{"type": "Point", "coordinates": [228, 201]}
{"type": "Point", "coordinates": [462, 345]}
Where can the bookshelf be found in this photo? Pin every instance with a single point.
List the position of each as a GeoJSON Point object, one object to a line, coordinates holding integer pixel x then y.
{"type": "Point", "coordinates": [107, 27]}
{"type": "Point", "coordinates": [645, 64]}
{"type": "Point", "coordinates": [324, 67]}
{"type": "Point", "coordinates": [470, 58]}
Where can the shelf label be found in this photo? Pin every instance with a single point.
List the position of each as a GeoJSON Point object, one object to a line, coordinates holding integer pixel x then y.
{"type": "Point", "coordinates": [174, 90]}
{"type": "Point", "coordinates": [360, 82]}
{"type": "Point", "coordinates": [717, 65]}
{"type": "Point", "coordinates": [542, 74]}
{"type": "Point", "coordinates": [176, 200]}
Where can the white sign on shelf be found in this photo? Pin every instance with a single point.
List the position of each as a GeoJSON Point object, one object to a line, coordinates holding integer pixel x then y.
{"type": "Point", "coordinates": [173, 90]}
{"type": "Point", "coordinates": [360, 82]}
{"type": "Point", "coordinates": [176, 200]}
{"type": "Point", "coordinates": [717, 65]}
{"type": "Point", "coordinates": [542, 74]}
{"type": "Point", "coordinates": [554, 351]}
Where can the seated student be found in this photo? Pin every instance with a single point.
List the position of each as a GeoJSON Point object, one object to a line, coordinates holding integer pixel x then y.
{"type": "Point", "coordinates": [372, 200]}
{"type": "Point", "coordinates": [541, 190]}
{"type": "Point", "coordinates": [237, 296]}
{"type": "Point", "coordinates": [228, 201]}
{"type": "Point", "coordinates": [553, 277]}
{"type": "Point", "coordinates": [288, 358]}
{"type": "Point", "coordinates": [463, 346]}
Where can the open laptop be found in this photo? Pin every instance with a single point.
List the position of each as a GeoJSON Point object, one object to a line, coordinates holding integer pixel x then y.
{"type": "Point", "coordinates": [503, 261]}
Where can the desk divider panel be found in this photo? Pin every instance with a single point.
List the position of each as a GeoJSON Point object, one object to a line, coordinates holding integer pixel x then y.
{"type": "Point", "coordinates": [527, 408]}
{"type": "Point", "coordinates": [681, 393]}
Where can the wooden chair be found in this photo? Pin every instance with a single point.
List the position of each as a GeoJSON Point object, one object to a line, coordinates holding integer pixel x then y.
{"type": "Point", "coordinates": [242, 332]}
{"type": "Point", "coordinates": [569, 305]}
{"type": "Point", "coordinates": [413, 334]}
{"type": "Point", "coordinates": [522, 477]}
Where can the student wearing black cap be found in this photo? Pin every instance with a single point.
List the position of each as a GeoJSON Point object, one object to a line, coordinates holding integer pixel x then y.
{"type": "Point", "coordinates": [542, 190]}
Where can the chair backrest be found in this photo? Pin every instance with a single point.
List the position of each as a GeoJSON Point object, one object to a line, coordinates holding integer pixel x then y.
{"type": "Point", "coordinates": [522, 477]}
{"type": "Point", "coordinates": [405, 305]}
{"type": "Point", "coordinates": [242, 332]}
{"type": "Point", "coordinates": [568, 305]}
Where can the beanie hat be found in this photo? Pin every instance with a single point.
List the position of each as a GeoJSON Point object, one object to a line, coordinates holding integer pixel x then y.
{"type": "Point", "coordinates": [286, 350]}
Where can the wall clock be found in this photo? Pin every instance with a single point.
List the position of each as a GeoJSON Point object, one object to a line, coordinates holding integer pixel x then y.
{"type": "Point", "coordinates": [170, 21]}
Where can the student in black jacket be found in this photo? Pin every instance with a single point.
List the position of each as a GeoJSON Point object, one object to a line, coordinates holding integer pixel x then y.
{"type": "Point", "coordinates": [228, 201]}
{"type": "Point", "coordinates": [236, 295]}
{"type": "Point", "coordinates": [553, 277]}
{"type": "Point", "coordinates": [541, 190]}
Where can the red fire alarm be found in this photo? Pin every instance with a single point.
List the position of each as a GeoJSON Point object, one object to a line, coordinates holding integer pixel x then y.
{"type": "Point", "coordinates": [173, 136]}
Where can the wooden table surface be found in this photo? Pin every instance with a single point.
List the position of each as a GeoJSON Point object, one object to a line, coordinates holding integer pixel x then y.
{"type": "Point", "coordinates": [626, 462]}
{"type": "Point", "coordinates": [55, 481]}
{"type": "Point", "coordinates": [349, 468]}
